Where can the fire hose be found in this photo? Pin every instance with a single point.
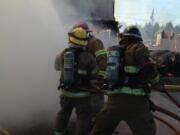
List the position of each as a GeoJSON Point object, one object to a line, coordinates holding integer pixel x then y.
{"type": "Point", "coordinates": [158, 108]}
{"type": "Point", "coordinates": [4, 131]}
{"type": "Point", "coordinates": [172, 88]}
{"type": "Point", "coordinates": [172, 99]}
{"type": "Point", "coordinates": [167, 123]}
{"type": "Point", "coordinates": [166, 112]}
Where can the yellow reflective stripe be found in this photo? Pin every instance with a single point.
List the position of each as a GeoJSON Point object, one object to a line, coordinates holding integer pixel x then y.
{"type": "Point", "coordinates": [82, 72]}
{"type": "Point", "coordinates": [127, 90]}
{"type": "Point", "coordinates": [77, 41]}
{"type": "Point", "coordinates": [100, 52]}
{"type": "Point", "coordinates": [81, 94]}
{"type": "Point", "coordinates": [155, 80]}
{"type": "Point", "coordinates": [131, 69]}
{"type": "Point", "coordinates": [103, 74]}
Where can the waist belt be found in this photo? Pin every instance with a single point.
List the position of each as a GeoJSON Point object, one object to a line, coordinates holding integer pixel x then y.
{"type": "Point", "coordinates": [81, 94]}
{"type": "Point", "coordinates": [127, 90]}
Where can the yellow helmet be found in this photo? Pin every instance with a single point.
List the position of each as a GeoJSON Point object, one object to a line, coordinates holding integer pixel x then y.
{"type": "Point", "coordinates": [78, 36]}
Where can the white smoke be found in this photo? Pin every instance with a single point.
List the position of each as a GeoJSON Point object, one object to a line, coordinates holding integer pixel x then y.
{"type": "Point", "coordinates": [31, 34]}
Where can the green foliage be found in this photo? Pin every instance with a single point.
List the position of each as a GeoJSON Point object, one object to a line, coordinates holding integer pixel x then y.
{"type": "Point", "coordinates": [149, 30]}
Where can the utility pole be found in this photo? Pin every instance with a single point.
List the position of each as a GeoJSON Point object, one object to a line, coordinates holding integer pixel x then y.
{"type": "Point", "coordinates": [152, 24]}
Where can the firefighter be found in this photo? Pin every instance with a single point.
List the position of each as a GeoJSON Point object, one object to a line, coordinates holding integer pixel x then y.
{"type": "Point", "coordinates": [129, 98]}
{"type": "Point", "coordinates": [78, 68]}
{"type": "Point", "coordinates": [96, 48]}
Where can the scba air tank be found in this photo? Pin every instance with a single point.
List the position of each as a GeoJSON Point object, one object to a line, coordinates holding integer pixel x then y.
{"type": "Point", "coordinates": [113, 64]}
{"type": "Point", "coordinates": [69, 68]}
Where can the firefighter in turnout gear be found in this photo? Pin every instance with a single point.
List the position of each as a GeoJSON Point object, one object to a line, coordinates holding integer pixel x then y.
{"type": "Point", "coordinates": [78, 68]}
{"type": "Point", "coordinates": [96, 48]}
{"type": "Point", "coordinates": [128, 99]}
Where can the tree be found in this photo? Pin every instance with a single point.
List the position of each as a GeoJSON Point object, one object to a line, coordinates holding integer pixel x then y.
{"type": "Point", "coordinates": [147, 31]}
{"type": "Point", "coordinates": [169, 27]}
{"type": "Point", "coordinates": [156, 27]}
{"type": "Point", "coordinates": [177, 29]}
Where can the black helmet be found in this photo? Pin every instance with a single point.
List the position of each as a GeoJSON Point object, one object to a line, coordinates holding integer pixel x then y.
{"type": "Point", "coordinates": [132, 31]}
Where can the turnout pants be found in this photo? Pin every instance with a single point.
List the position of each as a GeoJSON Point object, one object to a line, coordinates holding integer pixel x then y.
{"type": "Point", "coordinates": [132, 109]}
{"type": "Point", "coordinates": [97, 103]}
{"type": "Point", "coordinates": [83, 111]}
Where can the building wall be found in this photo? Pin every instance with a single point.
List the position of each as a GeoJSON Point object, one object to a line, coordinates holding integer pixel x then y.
{"type": "Point", "coordinates": [167, 44]}
{"type": "Point", "coordinates": [168, 41]}
{"type": "Point", "coordinates": [177, 42]}
{"type": "Point", "coordinates": [96, 9]}
{"type": "Point", "coordinates": [158, 39]}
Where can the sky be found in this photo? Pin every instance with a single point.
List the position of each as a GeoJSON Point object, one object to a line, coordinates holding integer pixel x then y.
{"type": "Point", "coordinates": [139, 11]}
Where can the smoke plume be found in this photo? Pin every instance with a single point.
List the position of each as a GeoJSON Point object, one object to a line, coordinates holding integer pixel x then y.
{"type": "Point", "coordinates": [31, 34]}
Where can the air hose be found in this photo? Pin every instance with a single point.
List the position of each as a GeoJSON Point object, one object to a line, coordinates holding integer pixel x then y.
{"type": "Point", "coordinates": [4, 131]}
{"type": "Point", "coordinates": [167, 123]}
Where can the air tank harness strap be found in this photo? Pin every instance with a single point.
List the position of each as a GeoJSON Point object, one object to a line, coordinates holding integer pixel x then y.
{"type": "Point", "coordinates": [81, 94]}
{"type": "Point", "coordinates": [127, 90]}
{"type": "Point", "coordinates": [131, 69]}
{"type": "Point", "coordinates": [85, 72]}
{"type": "Point", "coordinates": [82, 72]}
{"type": "Point", "coordinates": [133, 78]}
